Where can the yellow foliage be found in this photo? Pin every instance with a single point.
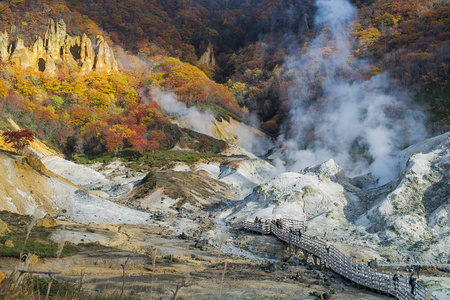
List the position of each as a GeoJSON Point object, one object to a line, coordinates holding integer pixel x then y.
{"type": "Point", "coordinates": [100, 82]}
{"type": "Point", "coordinates": [386, 20]}
{"type": "Point", "coordinates": [16, 2]}
{"type": "Point", "coordinates": [30, 105]}
{"type": "Point", "coordinates": [367, 37]}
{"type": "Point", "coordinates": [123, 130]}
{"type": "Point", "coordinates": [239, 87]}
{"type": "Point", "coordinates": [369, 33]}
{"type": "Point", "coordinates": [24, 85]}
{"type": "Point", "coordinates": [51, 83]}
{"type": "Point", "coordinates": [3, 89]}
{"type": "Point", "coordinates": [155, 78]}
{"type": "Point", "coordinates": [94, 129]}
{"type": "Point", "coordinates": [150, 115]}
{"type": "Point", "coordinates": [60, 8]}
{"type": "Point", "coordinates": [376, 71]}
{"type": "Point", "coordinates": [131, 96]}
{"type": "Point", "coordinates": [98, 99]}
{"type": "Point", "coordinates": [189, 82]}
{"type": "Point", "coordinates": [79, 115]}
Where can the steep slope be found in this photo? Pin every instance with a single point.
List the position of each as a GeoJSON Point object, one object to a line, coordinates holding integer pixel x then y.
{"type": "Point", "coordinates": [417, 210]}
{"type": "Point", "coordinates": [27, 187]}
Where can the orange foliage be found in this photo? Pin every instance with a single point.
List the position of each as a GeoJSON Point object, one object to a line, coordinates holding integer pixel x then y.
{"type": "Point", "coordinates": [79, 115]}
{"type": "Point", "coordinates": [45, 115]}
{"type": "Point", "coordinates": [94, 129]}
{"type": "Point", "coordinates": [188, 82]}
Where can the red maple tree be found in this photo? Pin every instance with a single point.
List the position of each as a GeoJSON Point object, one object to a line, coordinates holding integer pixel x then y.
{"type": "Point", "coordinates": [18, 138]}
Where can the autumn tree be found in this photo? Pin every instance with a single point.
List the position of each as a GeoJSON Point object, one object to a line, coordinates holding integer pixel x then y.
{"type": "Point", "coordinates": [3, 89]}
{"type": "Point", "coordinates": [114, 142]}
{"type": "Point", "coordinates": [19, 139]}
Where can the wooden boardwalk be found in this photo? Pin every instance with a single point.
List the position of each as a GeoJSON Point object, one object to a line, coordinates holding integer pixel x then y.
{"type": "Point", "coordinates": [359, 273]}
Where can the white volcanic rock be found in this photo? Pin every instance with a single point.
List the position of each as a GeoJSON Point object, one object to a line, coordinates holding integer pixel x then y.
{"type": "Point", "coordinates": [244, 175]}
{"type": "Point", "coordinates": [329, 168]}
{"type": "Point", "coordinates": [211, 170]}
{"type": "Point", "coordinates": [299, 196]}
{"type": "Point", "coordinates": [406, 220]}
{"type": "Point", "coordinates": [417, 210]}
{"type": "Point", "coordinates": [80, 175]}
{"type": "Point", "coordinates": [27, 190]}
{"type": "Point", "coordinates": [85, 208]}
{"type": "Point", "coordinates": [114, 186]}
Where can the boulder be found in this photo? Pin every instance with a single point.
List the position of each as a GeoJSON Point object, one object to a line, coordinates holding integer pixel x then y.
{"type": "Point", "coordinates": [373, 263]}
{"type": "Point", "coordinates": [293, 261]}
{"type": "Point", "coordinates": [201, 244]}
{"type": "Point", "coordinates": [272, 267]}
{"type": "Point", "coordinates": [48, 221]}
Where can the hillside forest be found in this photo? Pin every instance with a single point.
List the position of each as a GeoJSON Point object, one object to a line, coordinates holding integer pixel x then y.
{"type": "Point", "coordinates": [158, 45]}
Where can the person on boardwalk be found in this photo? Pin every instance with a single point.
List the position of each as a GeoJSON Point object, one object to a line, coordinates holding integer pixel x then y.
{"type": "Point", "coordinates": [256, 220]}
{"type": "Point", "coordinates": [413, 283]}
{"type": "Point", "coordinates": [396, 281]}
{"type": "Point", "coordinates": [327, 246]}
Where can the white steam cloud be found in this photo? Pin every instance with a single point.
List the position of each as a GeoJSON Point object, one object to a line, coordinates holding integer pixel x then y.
{"type": "Point", "coordinates": [361, 124]}
{"type": "Point", "coordinates": [191, 117]}
{"type": "Point", "coordinates": [204, 122]}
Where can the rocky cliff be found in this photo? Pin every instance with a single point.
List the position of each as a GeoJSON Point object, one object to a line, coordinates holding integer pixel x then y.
{"type": "Point", "coordinates": [56, 47]}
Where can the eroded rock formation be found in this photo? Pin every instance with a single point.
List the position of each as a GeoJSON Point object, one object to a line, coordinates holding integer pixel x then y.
{"type": "Point", "coordinates": [208, 57]}
{"type": "Point", "coordinates": [57, 47]}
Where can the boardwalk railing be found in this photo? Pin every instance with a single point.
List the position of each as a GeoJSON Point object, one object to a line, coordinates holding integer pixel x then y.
{"type": "Point", "coordinates": [292, 232]}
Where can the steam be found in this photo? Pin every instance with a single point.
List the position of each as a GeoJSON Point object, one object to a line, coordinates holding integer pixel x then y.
{"type": "Point", "coordinates": [361, 124]}
{"type": "Point", "coordinates": [190, 117]}
{"type": "Point", "coordinates": [204, 122]}
{"type": "Point", "coordinates": [252, 140]}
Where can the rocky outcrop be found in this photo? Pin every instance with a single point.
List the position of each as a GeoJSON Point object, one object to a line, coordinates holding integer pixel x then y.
{"type": "Point", "coordinates": [4, 44]}
{"type": "Point", "coordinates": [208, 57]}
{"type": "Point", "coordinates": [104, 59]}
{"type": "Point", "coordinates": [56, 47]}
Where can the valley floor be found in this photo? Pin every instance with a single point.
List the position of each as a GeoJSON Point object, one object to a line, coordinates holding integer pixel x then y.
{"type": "Point", "coordinates": [99, 268]}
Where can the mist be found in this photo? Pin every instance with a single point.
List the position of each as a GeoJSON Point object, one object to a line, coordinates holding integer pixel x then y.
{"type": "Point", "coordinates": [204, 122]}
{"type": "Point", "coordinates": [336, 112]}
{"type": "Point", "coordinates": [189, 117]}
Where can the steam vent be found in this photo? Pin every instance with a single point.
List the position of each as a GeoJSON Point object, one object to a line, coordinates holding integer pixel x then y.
{"type": "Point", "coordinates": [58, 46]}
